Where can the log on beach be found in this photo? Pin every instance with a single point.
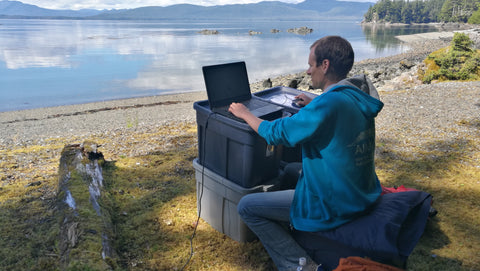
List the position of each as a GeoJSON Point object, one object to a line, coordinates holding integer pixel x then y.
{"type": "Point", "coordinates": [86, 227]}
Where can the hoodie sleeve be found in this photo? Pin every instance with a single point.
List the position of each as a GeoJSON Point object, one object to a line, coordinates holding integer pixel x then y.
{"type": "Point", "coordinates": [315, 118]}
{"type": "Point", "coordinates": [316, 122]}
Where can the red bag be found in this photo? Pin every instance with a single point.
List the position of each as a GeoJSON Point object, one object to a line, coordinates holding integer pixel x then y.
{"type": "Point", "coordinates": [396, 189]}
{"type": "Point", "coordinates": [362, 264]}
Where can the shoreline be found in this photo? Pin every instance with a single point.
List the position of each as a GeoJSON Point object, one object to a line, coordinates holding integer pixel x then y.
{"type": "Point", "coordinates": [97, 118]}
{"type": "Point", "coordinates": [6, 115]}
{"type": "Point", "coordinates": [151, 112]}
{"type": "Point", "coordinates": [407, 39]}
{"type": "Point", "coordinates": [93, 107]}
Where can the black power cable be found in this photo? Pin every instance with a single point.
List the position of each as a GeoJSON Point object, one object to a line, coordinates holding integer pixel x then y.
{"type": "Point", "coordinates": [199, 199]}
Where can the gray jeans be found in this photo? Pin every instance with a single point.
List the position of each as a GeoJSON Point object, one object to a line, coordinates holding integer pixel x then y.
{"type": "Point", "coordinates": [268, 216]}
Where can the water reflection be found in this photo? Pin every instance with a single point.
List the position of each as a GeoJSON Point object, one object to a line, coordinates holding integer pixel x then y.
{"type": "Point", "coordinates": [177, 61]}
{"type": "Point", "coordinates": [383, 36]}
{"type": "Point", "coordinates": [49, 62]}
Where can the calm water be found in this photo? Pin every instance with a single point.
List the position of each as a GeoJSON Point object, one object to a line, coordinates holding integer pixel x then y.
{"type": "Point", "coordinates": [59, 62]}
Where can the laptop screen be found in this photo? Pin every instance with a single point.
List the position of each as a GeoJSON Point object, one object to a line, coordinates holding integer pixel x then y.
{"type": "Point", "coordinates": [226, 83]}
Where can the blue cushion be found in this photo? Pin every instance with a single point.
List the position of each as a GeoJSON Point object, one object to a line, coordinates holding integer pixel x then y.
{"type": "Point", "coordinates": [388, 233]}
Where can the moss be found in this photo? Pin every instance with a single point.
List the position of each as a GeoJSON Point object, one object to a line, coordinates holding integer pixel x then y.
{"type": "Point", "coordinates": [455, 62]}
{"type": "Point", "coordinates": [152, 201]}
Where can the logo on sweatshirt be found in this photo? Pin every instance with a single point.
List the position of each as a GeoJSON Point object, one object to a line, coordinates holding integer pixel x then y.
{"type": "Point", "coordinates": [364, 147]}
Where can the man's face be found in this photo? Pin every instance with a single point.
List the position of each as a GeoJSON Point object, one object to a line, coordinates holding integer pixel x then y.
{"type": "Point", "coordinates": [317, 73]}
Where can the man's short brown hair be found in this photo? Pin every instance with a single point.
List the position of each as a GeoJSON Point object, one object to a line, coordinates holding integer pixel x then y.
{"type": "Point", "coordinates": [338, 51]}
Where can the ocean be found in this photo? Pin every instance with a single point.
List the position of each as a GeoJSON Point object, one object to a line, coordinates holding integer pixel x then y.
{"type": "Point", "coordinates": [47, 63]}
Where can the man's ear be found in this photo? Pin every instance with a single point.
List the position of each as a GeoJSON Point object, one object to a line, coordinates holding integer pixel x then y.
{"type": "Point", "coordinates": [325, 65]}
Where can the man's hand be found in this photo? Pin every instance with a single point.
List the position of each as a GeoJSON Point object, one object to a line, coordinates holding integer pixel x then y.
{"type": "Point", "coordinates": [302, 100]}
{"type": "Point", "coordinates": [241, 111]}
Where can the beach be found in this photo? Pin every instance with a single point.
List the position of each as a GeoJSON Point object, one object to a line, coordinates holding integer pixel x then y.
{"type": "Point", "coordinates": [150, 113]}
{"type": "Point", "coordinates": [415, 113]}
{"type": "Point", "coordinates": [36, 125]}
{"type": "Point", "coordinates": [428, 138]}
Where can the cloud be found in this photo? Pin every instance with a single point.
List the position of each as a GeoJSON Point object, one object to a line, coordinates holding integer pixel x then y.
{"type": "Point", "coordinates": [147, 59]}
{"type": "Point", "coordinates": [125, 4]}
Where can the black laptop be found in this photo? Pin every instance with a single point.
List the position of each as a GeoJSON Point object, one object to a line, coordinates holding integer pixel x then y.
{"type": "Point", "coordinates": [228, 83]}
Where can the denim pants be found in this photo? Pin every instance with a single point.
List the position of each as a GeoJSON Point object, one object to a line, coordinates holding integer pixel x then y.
{"type": "Point", "coordinates": [267, 215]}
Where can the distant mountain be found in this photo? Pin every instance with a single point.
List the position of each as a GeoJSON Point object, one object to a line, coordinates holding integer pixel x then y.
{"type": "Point", "coordinates": [16, 8]}
{"type": "Point", "coordinates": [273, 10]}
{"type": "Point", "coordinates": [336, 7]}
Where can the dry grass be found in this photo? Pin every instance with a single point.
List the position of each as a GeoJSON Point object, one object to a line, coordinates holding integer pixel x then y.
{"type": "Point", "coordinates": [153, 197]}
{"type": "Point", "coordinates": [452, 239]}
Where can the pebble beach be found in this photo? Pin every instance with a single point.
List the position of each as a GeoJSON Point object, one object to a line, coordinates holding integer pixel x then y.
{"type": "Point", "coordinates": [412, 110]}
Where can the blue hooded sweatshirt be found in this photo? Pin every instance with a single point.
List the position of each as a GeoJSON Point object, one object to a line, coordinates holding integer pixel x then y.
{"type": "Point", "coordinates": [337, 134]}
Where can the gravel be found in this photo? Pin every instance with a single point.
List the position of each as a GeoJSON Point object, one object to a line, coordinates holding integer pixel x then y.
{"type": "Point", "coordinates": [438, 116]}
{"type": "Point", "coordinates": [118, 116]}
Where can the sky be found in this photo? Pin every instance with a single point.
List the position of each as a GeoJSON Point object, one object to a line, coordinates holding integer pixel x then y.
{"type": "Point", "coordinates": [127, 4]}
{"type": "Point", "coordinates": [122, 4]}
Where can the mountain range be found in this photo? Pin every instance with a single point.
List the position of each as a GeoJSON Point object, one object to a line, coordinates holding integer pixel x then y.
{"type": "Point", "coordinates": [273, 10]}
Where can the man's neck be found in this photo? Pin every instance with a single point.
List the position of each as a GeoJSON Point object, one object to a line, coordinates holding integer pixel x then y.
{"type": "Point", "coordinates": [329, 85]}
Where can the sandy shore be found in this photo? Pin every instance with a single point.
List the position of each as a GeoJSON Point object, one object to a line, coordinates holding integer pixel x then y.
{"type": "Point", "coordinates": [426, 36]}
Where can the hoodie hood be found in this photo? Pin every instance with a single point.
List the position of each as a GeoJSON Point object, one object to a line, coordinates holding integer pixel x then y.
{"type": "Point", "coordinates": [362, 92]}
{"type": "Point", "coordinates": [361, 82]}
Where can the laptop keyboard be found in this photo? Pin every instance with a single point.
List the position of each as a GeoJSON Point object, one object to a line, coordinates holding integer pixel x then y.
{"type": "Point", "coordinates": [253, 104]}
{"type": "Point", "coordinates": [224, 111]}
{"type": "Point", "coordinates": [232, 116]}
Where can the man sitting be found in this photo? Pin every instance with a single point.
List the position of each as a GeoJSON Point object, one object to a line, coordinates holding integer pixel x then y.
{"type": "Point", "coordinates": [338, 182]}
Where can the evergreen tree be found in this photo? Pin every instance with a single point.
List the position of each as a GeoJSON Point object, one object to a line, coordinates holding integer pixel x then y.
{"type": "Point", "coordinates": [432, 10]}
{"type": "Point", "coordinates": [458, 10]}
{"type": "Point", "coordinates": [368, 17]}
{"type": "Point", "coordinates": [475, 18]}
{"type": "Point", "coordinates": [446, 13]}
{"type": "Point", "coordinates": [407, 14]}
{"type": "Point", "coordinates": [422, 11]}
{"type": "Point", "coordinates": [396, 11]}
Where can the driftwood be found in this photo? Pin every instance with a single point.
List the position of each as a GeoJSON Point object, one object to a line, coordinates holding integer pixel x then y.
{"type": "Point", "coordinates": [86, 225]}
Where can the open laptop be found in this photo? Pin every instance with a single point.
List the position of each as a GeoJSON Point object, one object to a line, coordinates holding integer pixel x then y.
{"type": "Point", "coordinates": [228, 83]}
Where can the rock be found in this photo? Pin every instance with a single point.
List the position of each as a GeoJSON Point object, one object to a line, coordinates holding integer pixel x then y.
{"type": "Point", "coordinates": [306, 83]}
{"type": "Point", "coordinates": [293, 83]}
{"type": "Point", "coordinates": [169, 222]}
{"type": "Point", "coordinates": [274, 31]}
{"type": "Point", "coordinates": [387, 73]}
{"type": "Point", "coordinates": [301, 30]}
{"type": "Point", "coordinates": [208, 32]}
{"type": "Point", "coordinates": [406, 64]}
{"type": "Point", "coordinates": [267, 83]}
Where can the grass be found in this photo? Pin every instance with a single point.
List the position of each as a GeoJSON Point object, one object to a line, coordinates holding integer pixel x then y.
{"type": "Point", "coordinates": [152, 198]}
{"type": "Point", "coordinates": [452, 239]}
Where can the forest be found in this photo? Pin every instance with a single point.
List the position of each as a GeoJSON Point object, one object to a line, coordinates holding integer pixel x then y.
{"type": "Point", "coordinates": [427, 11]}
